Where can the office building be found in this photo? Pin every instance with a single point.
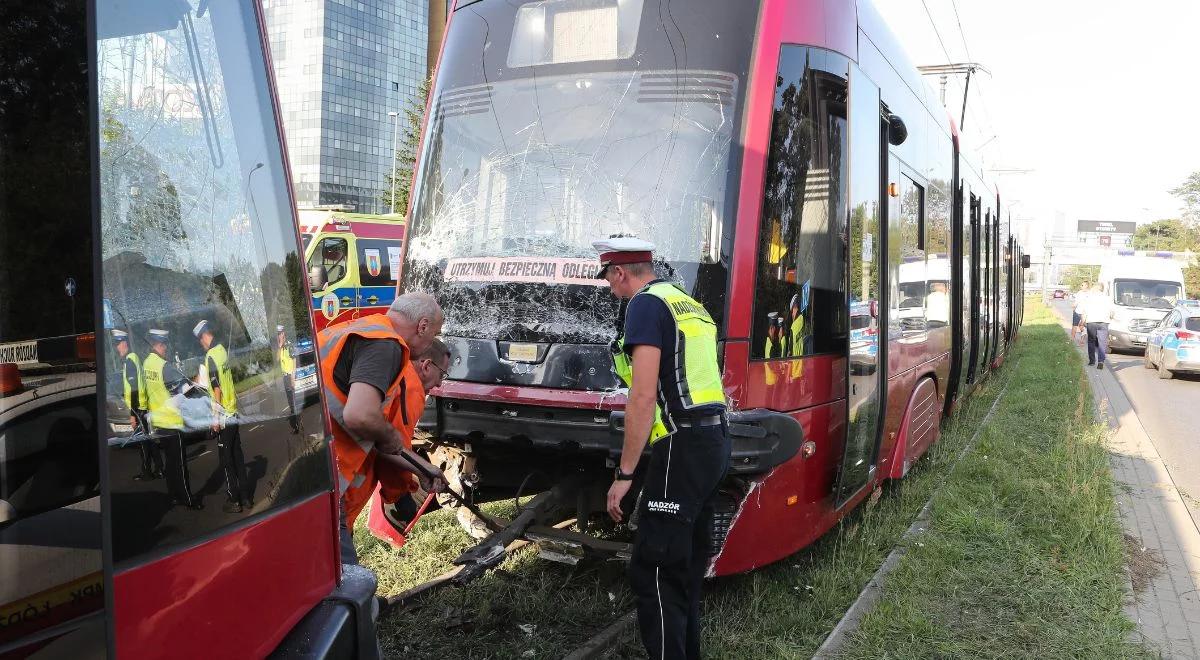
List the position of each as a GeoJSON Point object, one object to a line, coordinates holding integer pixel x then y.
{"type": "Point", "coordinates": [340, 67]}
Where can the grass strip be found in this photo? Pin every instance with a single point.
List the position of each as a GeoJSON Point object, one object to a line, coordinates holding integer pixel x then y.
{"type": "Point", "coordinates": [1052, 478]}
{"type": "Point", "coordinates": [1024, 556]}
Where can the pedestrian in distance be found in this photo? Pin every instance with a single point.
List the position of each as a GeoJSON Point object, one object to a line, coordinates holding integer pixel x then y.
{"type": "Point", "coordinates": [1077, 312]}
{"type": "Point", "coordinates": [165, 382]}
{"type": "Point", "coordinates": [287, 367]}
{"type": "Point", "coordinates": [666, 352]}
{"type": "Point", "coordinates": [133, 386]}
{"type": "Point", "coordinates": [1097, 312]}
{"type": "Point", "coordinates": [362, 367]}
{"type": "Point", "coordinates": [224, 427]}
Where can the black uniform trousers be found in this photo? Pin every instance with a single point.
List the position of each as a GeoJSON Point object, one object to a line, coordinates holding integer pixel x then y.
{"type": "Point", "coordinates": [152, 461]}
{"type": "Point", "coordinates": [233, 463]}
{"type": "Point", "coordinates": [179, 481]}
{"type": "Point", "coordinates": [673, 544]}
{"type": "Point", "coordinates": [289, 392]}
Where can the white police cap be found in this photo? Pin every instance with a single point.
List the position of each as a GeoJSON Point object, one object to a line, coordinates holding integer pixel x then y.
{"type": "Point", "coordinates": [158, 335]}
{"type": "Point", "coordinates": [279, 328]}
{"type": "Point", "coordinates": [200, 328]}
{"type": "Point", "coordinates": [119, 335]}
{"type": "Point", "coordinates": [622, 250]}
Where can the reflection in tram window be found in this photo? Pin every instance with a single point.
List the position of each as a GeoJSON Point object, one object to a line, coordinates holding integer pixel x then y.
{"type": "Point", "coordinates": [800, 296]}
{"type": "Point", "coordinates": [200, 268]}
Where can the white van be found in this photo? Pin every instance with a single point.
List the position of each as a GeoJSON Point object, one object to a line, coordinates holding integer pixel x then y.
{"type": "Point", "coordinates": [1143, 290]}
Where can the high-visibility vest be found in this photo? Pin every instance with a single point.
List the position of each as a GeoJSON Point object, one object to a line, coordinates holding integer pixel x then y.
{"type": "Point", "coordinates": [352, 453]}
{"type": "Point", "coordinates": [394, 483]}
{"type": "Point", "coordinates": [223, 378]}
{"type": "Point", "coordinates": [797, 336]}
{"type": "Point", "coordinates": [286, 364]}
{"type": "Point", "coordinates": [140, 404]}
{"type": "Point", "coordinates": [696, 337]}
{"type": "Point", "coordinates": [163, 413]}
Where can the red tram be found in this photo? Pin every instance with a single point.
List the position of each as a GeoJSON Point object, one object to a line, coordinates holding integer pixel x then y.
{"type": "Point", "coordinates": [143, 185]}
{"type": "Point", "coordinates": [798, 178]}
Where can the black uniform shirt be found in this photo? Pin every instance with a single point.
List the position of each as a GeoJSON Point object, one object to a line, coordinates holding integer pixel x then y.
{"type": "Point", "coordinates": [376, 362]}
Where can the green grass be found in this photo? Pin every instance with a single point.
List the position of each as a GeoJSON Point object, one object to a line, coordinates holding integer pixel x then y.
{"type": "Point", "coordinates": [1024, 555]}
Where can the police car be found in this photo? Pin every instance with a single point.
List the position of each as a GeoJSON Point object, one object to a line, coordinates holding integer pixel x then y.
{"type": "Point", "coordinates": [1174, 344]}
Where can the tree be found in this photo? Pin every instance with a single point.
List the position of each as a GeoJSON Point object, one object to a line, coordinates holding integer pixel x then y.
{"type": "Point", "coordinates": [1173, 235]}
{"type": "Point", "coordinates": [1075, 277]}
{"type": "Point", "coordinates": [406, 152]}
{"type": "Point", "coordinates": [1189, 192]}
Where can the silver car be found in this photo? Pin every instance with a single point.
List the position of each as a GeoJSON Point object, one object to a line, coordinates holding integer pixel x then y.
{"type": "Point", "coordinates": [1174, 344]}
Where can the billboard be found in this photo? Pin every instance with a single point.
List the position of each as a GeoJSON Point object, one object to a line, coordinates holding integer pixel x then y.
{"type": "Point", "coordinates": [1106, 227]}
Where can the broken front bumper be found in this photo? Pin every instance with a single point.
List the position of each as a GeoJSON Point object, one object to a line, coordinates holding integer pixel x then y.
{"type": "Point", "coordinates": [762, 439]}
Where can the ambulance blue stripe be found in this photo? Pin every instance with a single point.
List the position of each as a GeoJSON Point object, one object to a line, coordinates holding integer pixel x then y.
{"type": "Point", "coordinates": [386, 295]}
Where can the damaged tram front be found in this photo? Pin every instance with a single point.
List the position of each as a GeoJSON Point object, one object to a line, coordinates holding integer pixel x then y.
{"type": "Point", "coordinates": [790, 176]}
{"type": "Point", "coordinates": [554, 142]}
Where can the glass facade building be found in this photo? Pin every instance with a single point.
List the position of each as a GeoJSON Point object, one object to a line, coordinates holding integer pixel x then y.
{"type": "Point", "coordinates": [340, 67]}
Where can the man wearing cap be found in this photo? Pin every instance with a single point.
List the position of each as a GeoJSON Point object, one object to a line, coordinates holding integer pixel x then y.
{"type": "Point", "coordinates": [667, 354]}
{"type": "Point", "coordinates": [287, 366]}
{"type": "Point", "coordinates": [224, 425]}
{"type": "Point", "coordinates": [164, 380]}
{"type": "Point", "coordinates": [362, 365]}
{"type": "Point", "coordinates": [134, 387]}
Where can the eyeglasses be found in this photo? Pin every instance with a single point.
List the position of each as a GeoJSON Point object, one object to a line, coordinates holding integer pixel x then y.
{"type": "Point", "coordinates": [445, 374]}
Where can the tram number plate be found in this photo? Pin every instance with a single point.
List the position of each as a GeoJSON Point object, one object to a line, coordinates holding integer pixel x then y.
{"type": "Point", "coordinates": [522, 352]}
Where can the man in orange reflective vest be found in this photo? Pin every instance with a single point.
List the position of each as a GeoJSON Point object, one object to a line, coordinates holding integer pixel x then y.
{"type": "Point", "coordinates": [362, 365]}
{"type": "Point", "coordinates": [423, 372]}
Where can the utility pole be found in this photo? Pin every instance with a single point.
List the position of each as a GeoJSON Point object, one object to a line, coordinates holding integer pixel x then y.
{"type": "Point", "coordinates": [395, 124]}
{"type": "Point", "coordinates": [1047, 253]}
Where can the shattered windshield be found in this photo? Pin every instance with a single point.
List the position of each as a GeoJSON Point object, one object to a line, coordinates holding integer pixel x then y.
{"type": "Point", "coordinates": [523, 167]}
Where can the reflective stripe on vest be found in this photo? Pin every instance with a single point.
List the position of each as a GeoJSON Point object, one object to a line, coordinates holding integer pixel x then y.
{"type": "Point", "coordinates": [141, 383]}
{"type": "Point", "coordinates": [695, 355]}
{"type": "Point", "coordinates": [163, 413]}
{"type": "Point", "coordinates": [223, 378]}
{"type": "Point", "coordinates": [351, 452]}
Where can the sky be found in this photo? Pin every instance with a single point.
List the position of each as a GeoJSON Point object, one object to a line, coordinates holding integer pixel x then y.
{"type": "Point", "coordinates": [1099, 99]}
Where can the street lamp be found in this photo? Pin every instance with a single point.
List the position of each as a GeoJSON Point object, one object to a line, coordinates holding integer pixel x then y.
{"type": "Point", "coordinates": [395, 125]}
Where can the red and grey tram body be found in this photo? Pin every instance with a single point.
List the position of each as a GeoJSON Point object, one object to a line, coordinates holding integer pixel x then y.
{"type": "Point", "coordinates": [799, 179]}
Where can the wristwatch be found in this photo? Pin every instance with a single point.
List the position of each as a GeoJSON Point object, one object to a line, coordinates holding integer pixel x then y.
{"type": "Point", "coordinates": [621, 476]}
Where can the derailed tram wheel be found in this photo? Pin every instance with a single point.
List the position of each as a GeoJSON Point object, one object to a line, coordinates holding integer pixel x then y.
{"type": "Point", "coordinates": [458, 468]}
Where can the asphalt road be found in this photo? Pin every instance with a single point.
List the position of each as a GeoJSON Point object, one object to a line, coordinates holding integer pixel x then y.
{"type": "Point", "coordinates": [1169, 411]}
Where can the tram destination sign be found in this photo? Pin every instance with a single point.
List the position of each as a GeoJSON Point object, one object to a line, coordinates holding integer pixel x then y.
{"type": "Point", "coordinates": [1106, 227]}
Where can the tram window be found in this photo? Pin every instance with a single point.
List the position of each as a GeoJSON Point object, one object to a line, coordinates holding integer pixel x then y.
{"type": "Point", "coordinates": [199, 254]}
{"type": "Point", "coordinates": [50, 521]}
{"type": "Point", "coordinates": [910, 279]}
{"type": "Point", "coordinates": [800, 296]}
{"type": "Point", "coordinates": [378, 262]}
{"type": "Point", "coordinates": [937, 255]}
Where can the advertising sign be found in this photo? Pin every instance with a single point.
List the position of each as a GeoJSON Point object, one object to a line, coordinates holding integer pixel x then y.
{"type": "Point", "coordinates": [1105, 227]}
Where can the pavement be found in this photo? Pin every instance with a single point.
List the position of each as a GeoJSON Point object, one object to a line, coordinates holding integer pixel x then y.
{"type": "Point", "coordinates": [1155, 464]}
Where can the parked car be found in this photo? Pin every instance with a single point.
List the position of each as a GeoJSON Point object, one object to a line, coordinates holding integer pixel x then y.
{"type": "Point", "coordinates": [1059, 294]}
{"type": "Point", "coordinates": [1174, 345]}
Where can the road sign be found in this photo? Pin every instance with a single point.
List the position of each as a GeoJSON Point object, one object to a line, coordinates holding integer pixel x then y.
{"type": "Point", "coordinates": [1106, 241]}
{"type": "Point", "coordinates": [69, 285]}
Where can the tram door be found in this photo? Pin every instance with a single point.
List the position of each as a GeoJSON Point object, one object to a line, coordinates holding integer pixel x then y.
{"type": "Point", "coordinates": [867, 359]}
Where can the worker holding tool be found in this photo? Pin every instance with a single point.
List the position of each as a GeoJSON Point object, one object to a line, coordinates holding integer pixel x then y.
{"type": "Point", "coordinates": [421, 374]}
{"type": "Point", "coordinates": [666, 353]}
{"type": "Point", "coordinates": [362, 364]}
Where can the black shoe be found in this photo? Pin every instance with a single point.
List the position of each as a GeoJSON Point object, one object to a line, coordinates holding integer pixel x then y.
{"type": "Point", "coordinates": [195, 506]}
{"type": "Point", "coordinates": [143, 477]}
{"type": "Point", "coordinates": [1092, 363]}
{"type": "Point", "coordinates": [1099, 365]}
{"type": "Point", "coordinates": [231, 507]}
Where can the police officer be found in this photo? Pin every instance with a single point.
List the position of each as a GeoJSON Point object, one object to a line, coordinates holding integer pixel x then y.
{"type": "Point", "coordinates": [287, 366]}
{"type": "Point", "coordinates": [224, 425]}
{"type": "Point", "coordinates": [134, 387]}
{"type": "Point", "coordinates": [163, 381]}
{"type": "Point", "coordinates": [667, 354]}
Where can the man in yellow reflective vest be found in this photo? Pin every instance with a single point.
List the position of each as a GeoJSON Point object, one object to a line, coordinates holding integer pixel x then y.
{"type": "Point", "coordinates": [224, 422]}
{"type": "Point", "coordinates": [287, 366]}
{"type": "Point", "coordinates": [134, 394]}
{"type": "Point", "coordinates": [163, 382]}
{"type": "Point", "coordinates": [666, 353]}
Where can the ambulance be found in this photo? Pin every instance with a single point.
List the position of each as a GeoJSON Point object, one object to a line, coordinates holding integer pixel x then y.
{"type": "Point", "coordinates": [353, 262]}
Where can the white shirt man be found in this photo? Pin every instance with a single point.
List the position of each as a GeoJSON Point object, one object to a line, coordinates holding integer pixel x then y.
{"type": "Point", "coordinates": [1096, 307]}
